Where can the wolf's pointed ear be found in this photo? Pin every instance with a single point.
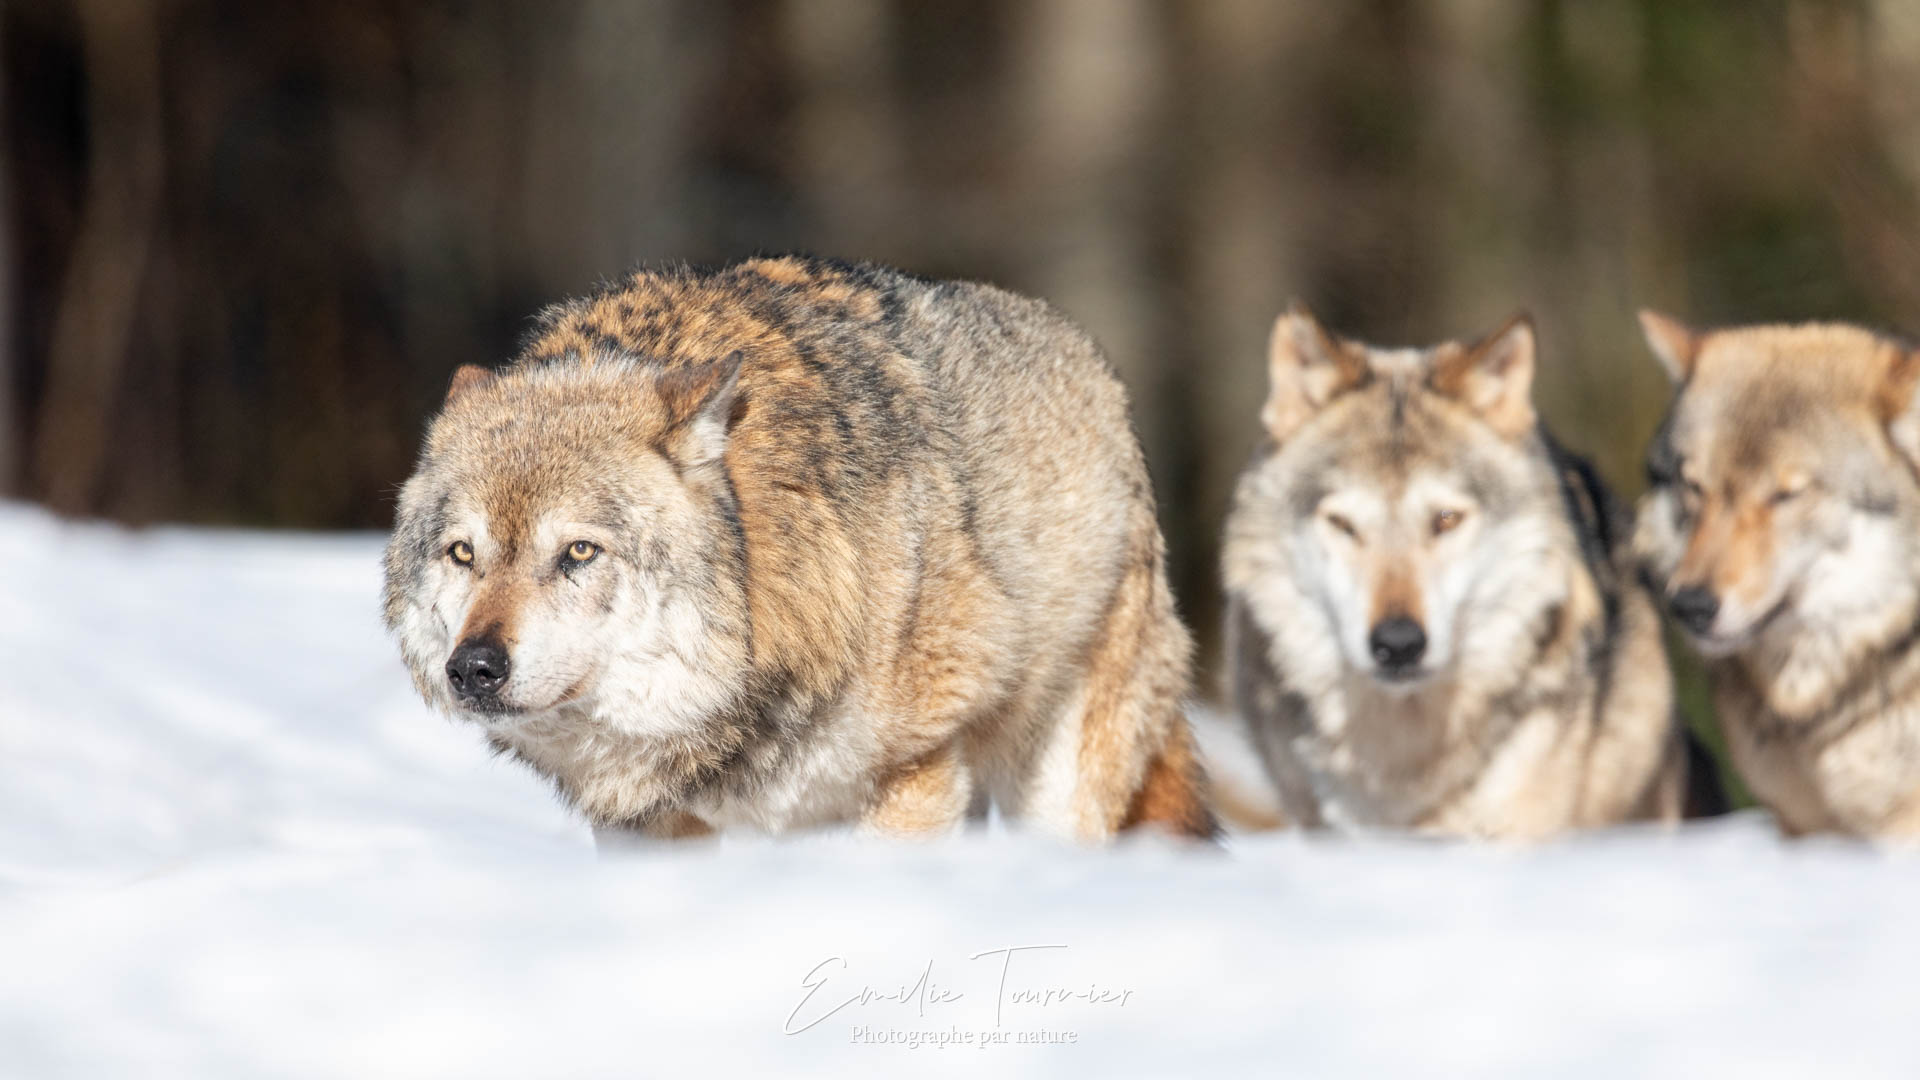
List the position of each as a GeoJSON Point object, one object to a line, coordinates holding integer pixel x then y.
{"type": "Point", "coordinates": [466, 377]}
{"type": "Point", "coordinates": [1494, 378]}
{"type": "Point", "coordinates": [1306, 368]}
{"type": "Point", "coordinates": [1672, 341]}
{"type": "Point", "coordinates": [1898, 402]}
{"type": "Point", "coordinates": [699, 399]}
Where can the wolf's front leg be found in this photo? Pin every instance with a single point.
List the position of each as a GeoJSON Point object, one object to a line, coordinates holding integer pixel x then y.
{"type": "Point", "coordinates": [927, 797]}
{"type": "Point", "coordinates": [665, 829]}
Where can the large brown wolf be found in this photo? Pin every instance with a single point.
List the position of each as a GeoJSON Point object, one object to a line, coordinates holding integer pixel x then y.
{"type": "Point", "coordinates": [796, 542]}
{"type": "Point", "coordinates": [1430, 627]}
{"type": "Point", "coordinates": [1782, 523]}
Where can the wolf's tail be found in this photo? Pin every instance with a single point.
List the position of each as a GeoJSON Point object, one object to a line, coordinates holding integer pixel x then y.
{"type": "Point", "coordinates": [1172, 797]}
{"type": "Point", "coordinates": [1240, 807]}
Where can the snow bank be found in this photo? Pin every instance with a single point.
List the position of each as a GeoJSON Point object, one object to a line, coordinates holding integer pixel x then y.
{"type": "Point", "coordinates": [231, 844]}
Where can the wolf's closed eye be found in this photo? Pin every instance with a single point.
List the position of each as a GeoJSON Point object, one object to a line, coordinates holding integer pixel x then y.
{"type": "Point", "coordinates": [1341, 523]}
{"type": "Point", "coordinates": [1692, 495]}
{"type": "Point", "coordinates": [1788, 491]}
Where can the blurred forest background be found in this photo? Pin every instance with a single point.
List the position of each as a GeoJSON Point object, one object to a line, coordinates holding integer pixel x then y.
{"type": "Point", "coordinates": [247, 242]}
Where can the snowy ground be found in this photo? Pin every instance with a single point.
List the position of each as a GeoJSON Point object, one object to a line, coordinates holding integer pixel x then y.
{"type": "Point", "coordinates": [231, 844]}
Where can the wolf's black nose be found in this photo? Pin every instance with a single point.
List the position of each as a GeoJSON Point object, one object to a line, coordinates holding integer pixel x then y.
{"type": "Point", "coordinates": [1397, 643]}
{"type": "Point", "coordinates": [1695, 606]}
{"type": "Point", "coordinates": [478, 668]}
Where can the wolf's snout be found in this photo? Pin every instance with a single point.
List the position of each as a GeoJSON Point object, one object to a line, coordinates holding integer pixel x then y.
{"type": "Point", "coordinates": [478, 669]}
{"type": "Point", "coordinates": [1695, 608]}
{"type": "Point", "coordinates": [1397, 643]}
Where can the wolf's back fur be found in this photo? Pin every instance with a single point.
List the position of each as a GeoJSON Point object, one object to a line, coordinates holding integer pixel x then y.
{"type": "Point", "coordinates": [1553, 707]}
{"type": "Point", "coordinates": [923, 562]}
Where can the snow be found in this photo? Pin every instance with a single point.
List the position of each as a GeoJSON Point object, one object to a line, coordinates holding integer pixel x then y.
{"type": "Point", "coordinates": [233, 844]}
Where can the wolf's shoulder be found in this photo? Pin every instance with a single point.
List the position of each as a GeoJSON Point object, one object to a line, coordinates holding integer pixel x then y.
{"type": "Point", "coordinates": [1601, 521]}
{"type": "Point", "coordinates": [1600, 518]}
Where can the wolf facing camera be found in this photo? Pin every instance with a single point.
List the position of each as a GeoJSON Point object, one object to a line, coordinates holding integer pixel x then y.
{"type": "Point", "coordinates": [794, 543]}
{"type": "Point", "coordinates": [1429, 623]}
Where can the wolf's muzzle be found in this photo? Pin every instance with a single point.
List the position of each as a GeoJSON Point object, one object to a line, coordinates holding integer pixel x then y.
{"type": "Point", "coordinates": [1695, 608]}
{"type": "Point", "coordinates": [1397, 644]}
{"type": "Point", "coordinates": [478, 669]}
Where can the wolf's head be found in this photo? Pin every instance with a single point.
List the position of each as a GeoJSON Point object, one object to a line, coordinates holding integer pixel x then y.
{"type": "Point", "coordinates": [566, 540]}
{"type": "Point", "coordinates": [1782, 490]}
{"type": "Point", "coordinates": [1405, 509]}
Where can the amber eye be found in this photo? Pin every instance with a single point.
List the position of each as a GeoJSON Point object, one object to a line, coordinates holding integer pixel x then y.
{"type": "Point", "coordinates": [580, 551]}
{"type": "Point", "coordinates": [461, 552]}
{"type": "Point", "coordinates": [1446, 521]}
{"type": "Point", "coordinates": [1340, 521]}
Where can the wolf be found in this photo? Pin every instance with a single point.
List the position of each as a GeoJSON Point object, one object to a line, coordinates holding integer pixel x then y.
{"type": "Point", "coordinates": [1429, 623]}
{"type": "Point", "coordinates": [793, 543]}
{"type": "Point", "coordinates": [1781, 523]}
